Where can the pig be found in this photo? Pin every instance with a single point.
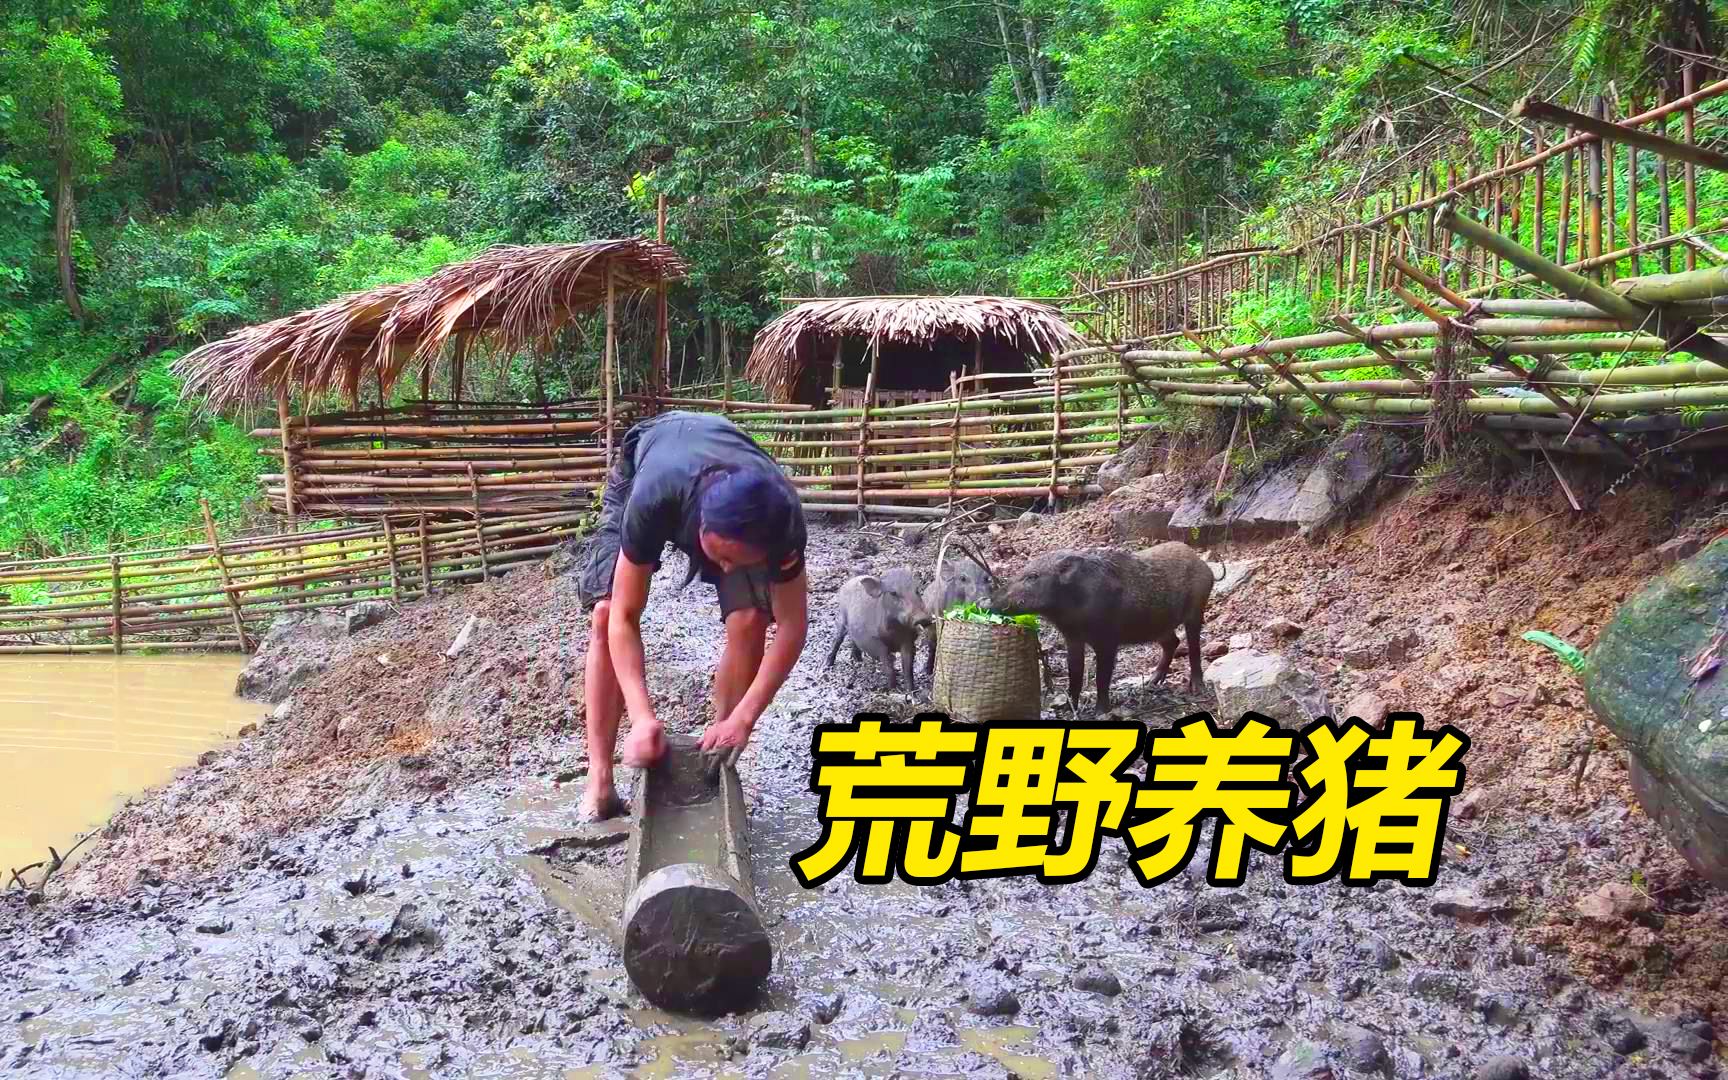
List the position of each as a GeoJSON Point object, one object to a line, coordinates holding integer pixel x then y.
{"type": "Point", "coordinates": [1110, 597]}
{"type": "Point", "coordinates": [959, 580]}
{"type": "Point", "coordinates": [881, 616]}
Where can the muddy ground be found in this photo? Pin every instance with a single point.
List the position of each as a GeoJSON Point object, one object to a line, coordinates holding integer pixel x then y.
{"type": "Point", "coordinates": [364, 887]}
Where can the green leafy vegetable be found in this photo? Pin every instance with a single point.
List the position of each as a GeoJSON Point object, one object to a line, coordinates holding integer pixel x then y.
{"type": "Point", "coordinates": [973, 613]}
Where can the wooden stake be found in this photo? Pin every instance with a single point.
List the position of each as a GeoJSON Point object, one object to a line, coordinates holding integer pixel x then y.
{"type": "Point", "coordinates": [864, 425]}
{"type": "Point", "coordinates": [1632, 203]}
{"type": "Point", "coordinates": [425, 561]}
{"type": "Point", "coordinates": [1540, 222]}
{"type": "Point", "coordinates": [1664, 209]}
{"type": "Point", "coordinates": [479, 528]}
{"type": "Point", "coordinates": [390, 546]}
{"type": "Point", "coordinates": [954, 439]}
{"type": "Point", "coordinates": [1056, 430]}
{"type": "Point", "coordinates": [610, 356]}
{"type": "Point", "coordinates": [117, 594]}
{"type": "Point", "coordinates": [1593, 219]}
{"type": "Point", "coordinates": [222, 568]}
{"type": "Point", "coordinates": [662, 340]}
{"type": "Point", "coordinates": [1689, 122]}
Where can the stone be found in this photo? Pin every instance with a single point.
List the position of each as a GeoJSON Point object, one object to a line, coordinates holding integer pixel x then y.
{"type": "Point", "coordinates": [368, 613]}
{"type": "Point", "coordinates": [1249, 681]}
{"type": "Point", "coordinates": [1096, 979]}
{"type": "Point", "coordinates": [1619, 1031]}
{"type": "Point", "coordinates": [1026, 520]}
{"type": "Point", "coordinates": [1134, 463]}
{"type": "Point", "coordinates": [864, 547]}
{"type": "Point", "coordinates": [1469, 906]}
{"type": "Point", "coordinates": [779, 1031]}
{"type": "Point", "coordinates": [1301, 1061]}
{"type": "Point", "coordinates": [989, 994]}
{"type": "Point", "coordinates": [1212, 650]}
{"type": "Point", "coordinates": [1282, 628]}
{"type": "Point", "coordinates": [1468, 807]}
{"type": "Point", "coordinates": [1236, 575]}
{"type": "Point", "coordinates": [282, 712]}
{"type": "Point", "coordinates": [1614, 902]}
{"type": "Point", "coordinates": [1504, 697]}
{"type": "Point", "coordinates": [1357, 652]}
{"type": "Point", "coordinates": [1365, 1051]}
{"type": "Point", "coordinates": [1378, 953]}
{"type": "Point", "coordinates": [1503, 1067]}
{"type": "Point", "coordinates": [1135, 525]}
{"type": "Point", "coordinates": [1401, 646]}
{"type": "Point", "coordinates": [1239, 642]}
{"type": "Point", "coordinates": [823, 1008]}
{"type": "Point", "coordinates": [296, 649]}
{"type": "Point", "coordinates": [1369, 707]}
{"type": "Point", "coordinates": [1678, 550]}
{"type": "Point", "coordinates": [1653, 678]}
{"type": "Point", "coordinates": [1304, 495]}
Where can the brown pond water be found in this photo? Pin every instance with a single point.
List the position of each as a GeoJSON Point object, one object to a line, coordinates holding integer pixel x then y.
{"type": "Point", "coordinates": [78, 734]}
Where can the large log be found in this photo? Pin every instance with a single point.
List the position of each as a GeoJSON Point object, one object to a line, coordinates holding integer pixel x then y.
{"type": "Point", "coordinates": [694, 939]}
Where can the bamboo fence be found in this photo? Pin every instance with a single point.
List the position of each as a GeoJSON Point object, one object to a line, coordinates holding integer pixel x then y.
{"type": "Point", "coordinates": [217, 595]}
{"type": "Point", "coordinates": [1603, 199]}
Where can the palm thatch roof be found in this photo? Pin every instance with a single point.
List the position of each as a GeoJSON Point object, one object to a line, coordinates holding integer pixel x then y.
{"type": "Point", "coordinates": [508, 297]}
{"type": "Point", "coordinates": [787, 344]}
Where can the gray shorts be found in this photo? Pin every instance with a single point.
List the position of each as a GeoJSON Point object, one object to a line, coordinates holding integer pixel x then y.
{"type": "Point", "coordinates": [747, 586]}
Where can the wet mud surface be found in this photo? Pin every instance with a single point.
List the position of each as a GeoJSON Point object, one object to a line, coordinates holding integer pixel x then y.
{"type": "Point", "coordinates": [387, 880]}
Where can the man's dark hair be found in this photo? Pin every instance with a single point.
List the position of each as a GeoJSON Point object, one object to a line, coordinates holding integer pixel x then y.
{"type": "Point", "coordinates": [748, 505]}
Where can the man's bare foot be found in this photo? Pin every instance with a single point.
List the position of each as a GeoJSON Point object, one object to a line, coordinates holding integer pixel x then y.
{"type": "Point", "coordinates": [601, 805]}
{"type": "Point", "coordinates": [644, 746]}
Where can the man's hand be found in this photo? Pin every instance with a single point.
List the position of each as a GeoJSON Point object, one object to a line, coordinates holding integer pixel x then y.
{"type": "Point", "coordinates": [732, 732]}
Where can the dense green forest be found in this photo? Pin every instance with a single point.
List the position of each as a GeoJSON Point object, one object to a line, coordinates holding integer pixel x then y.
{"type": "Point", "coordinates": [173, 169]}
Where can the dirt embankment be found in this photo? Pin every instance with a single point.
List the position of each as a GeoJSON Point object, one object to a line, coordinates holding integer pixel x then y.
{"type": "Point", "coordinates": [351, 888]}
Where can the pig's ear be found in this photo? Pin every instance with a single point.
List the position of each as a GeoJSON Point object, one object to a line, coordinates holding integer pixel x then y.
{"type": "Point", "coordinates": [1068, 571]}
{"type": "Point", "coordinates": [872, 586]}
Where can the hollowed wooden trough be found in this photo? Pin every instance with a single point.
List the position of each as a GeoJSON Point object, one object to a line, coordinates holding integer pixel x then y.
{"type": "Point", "coordinates": [694, 939]}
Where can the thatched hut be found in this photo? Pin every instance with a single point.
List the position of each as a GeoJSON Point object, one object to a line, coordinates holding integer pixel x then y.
{"type": "Point", "coordinates": [507, 298]}
{"type": "Point", "coordinates": [903, 348]}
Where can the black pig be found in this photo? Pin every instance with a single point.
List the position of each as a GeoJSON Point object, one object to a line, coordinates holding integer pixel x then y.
{"type": "Point", "coordinates": [1109, 597]}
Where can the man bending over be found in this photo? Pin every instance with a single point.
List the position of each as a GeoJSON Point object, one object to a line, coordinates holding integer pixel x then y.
{"type": "Point", "coordinates": [695, 481]}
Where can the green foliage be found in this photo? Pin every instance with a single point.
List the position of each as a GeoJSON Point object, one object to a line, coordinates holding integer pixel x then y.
{"type": "Point", "coordinates": [971, 612]}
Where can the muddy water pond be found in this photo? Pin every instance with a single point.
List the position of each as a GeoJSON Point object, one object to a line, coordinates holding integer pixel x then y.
{"type": "Point", "coordinates": [78, 734]}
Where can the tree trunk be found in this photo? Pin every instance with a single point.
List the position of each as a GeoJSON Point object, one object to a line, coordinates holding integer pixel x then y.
{"type": "Point", "coordinates": [1032, 60]}
{"type": "Point", "coordinates": [1008, 52]}
{"type": "Point", "coordinates": [65, 220]}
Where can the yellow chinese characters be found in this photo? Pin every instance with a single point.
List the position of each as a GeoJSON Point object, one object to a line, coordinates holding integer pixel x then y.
{"type": "Point", "coordinates": [1041, 797]}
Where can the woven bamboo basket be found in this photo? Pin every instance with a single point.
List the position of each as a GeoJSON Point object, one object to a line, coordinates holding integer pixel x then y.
{"type": "Point", "coordinates": [987, 672]}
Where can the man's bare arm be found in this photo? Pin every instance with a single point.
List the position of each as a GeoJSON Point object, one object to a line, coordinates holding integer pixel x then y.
{"type": "Point", "coordinates": [624, 637]}
{"type": "Point", "coordinates": [790, 601]}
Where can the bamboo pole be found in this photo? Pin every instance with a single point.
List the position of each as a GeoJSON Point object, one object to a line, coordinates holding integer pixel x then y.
{"type": "Point", "coordinates": [1680, 333]}
{"type": "Point", "coordinates": [1056, 435]}
{"type": "Point", "coordinates": [1610, 218]}
{"type": "Point", "coordinates": [954, 436]}
{"type": "Point", "coordinates": [222, 568]}
{"type": "Point", "coordinates": [1601, 129]}
{"type": "Point", "coordinates": [425, 561]}
{"type": "Point", "coordinates": [1594, 217]}
{"type": "Point", "coordinates": [479, 526]}
{"type": "Point", "coordinates": [1695, 155]}
{"type": "Point", "coordinates": [1632, 205]}
{"type": "Point", "coordinates": [1664, 209]}
{"type": "Point", "coordinates": [390, 545]}
{"type": "Point", "coordinates": [864, 425]}
{"type": "Point", "coordinates": [610, 358]}
{"type": "Point", "coordinates": [119, 602]}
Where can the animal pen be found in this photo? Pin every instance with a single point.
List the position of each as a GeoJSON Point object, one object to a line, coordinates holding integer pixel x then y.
{"type": "Point", "coordinates": [1554, 295]}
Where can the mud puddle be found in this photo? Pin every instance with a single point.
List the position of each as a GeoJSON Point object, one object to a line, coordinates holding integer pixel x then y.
{"type": "Point", "coordinates": [80, 733]}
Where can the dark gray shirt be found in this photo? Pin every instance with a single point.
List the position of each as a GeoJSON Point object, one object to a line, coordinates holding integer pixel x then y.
{"type": "Point", "coordinates": [674, 455]}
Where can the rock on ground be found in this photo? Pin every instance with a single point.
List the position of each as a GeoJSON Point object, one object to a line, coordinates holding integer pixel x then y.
{"type": "Point", "coordinates": [1250, 681]}
{"type": "Point", "coordinates": [295, 650]}
{"type": "Point", "coordinates": [1654, 679]}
